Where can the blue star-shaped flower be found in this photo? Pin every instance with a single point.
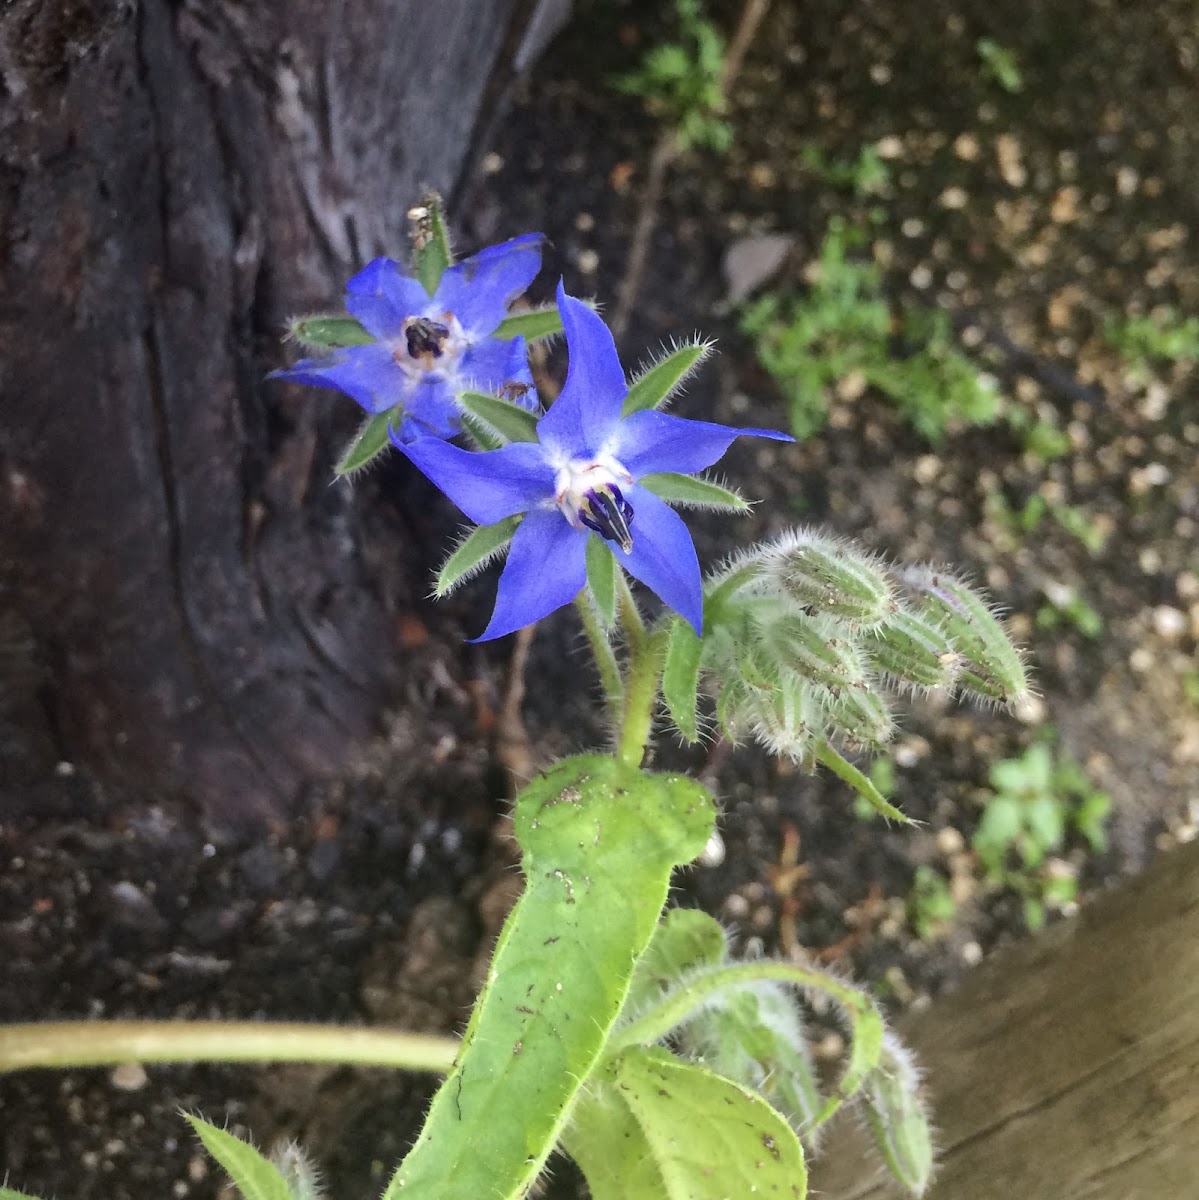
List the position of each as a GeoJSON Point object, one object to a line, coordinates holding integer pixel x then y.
{"type": "Point", "coordinates": [579, 478]}
{"type": "Point", "coordinates": [430, 348]}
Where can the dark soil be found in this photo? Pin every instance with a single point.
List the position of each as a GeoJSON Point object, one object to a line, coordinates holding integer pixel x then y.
{"type": "Point", "coordinates": [1030, 216]}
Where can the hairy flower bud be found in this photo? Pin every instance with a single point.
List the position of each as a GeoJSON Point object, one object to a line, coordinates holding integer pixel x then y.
{"type": "Point", "coordinates": [991, 665]}
{"type": "Point", "coordinates": [828, 577]}
{"type": "Point", "coordinates": [914, 650]}
{"type": "Point", "coordinates": [896, 1115]}
{"type": "Point", "coordinates": [814, 650]}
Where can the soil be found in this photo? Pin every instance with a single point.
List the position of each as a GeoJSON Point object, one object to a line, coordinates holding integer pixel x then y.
{"type": "Point", "coordinates": [1030, 216]}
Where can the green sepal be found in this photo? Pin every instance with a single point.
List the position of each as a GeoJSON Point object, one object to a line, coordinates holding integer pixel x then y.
{"type": "Point", "coordinates": [533, 324]}
{"type": "Point", "coordinates": [680, 677]}
{"type": "Point", "coordinates": [601, 579]}
{"type": "Point", "coordinates": [328, 332]}
{"type": "Point", "coordinates": [477, 549]}
{"type": "Point", "coordinates": [690, 490]}
{"type": "Point", "coordinates": [255, 1177]}
{"type": "Point", "coordinates": [431, 253]}
{"type": "Point", "coordinates": [479, 433]}
{"type": "Point", "coordinates": [653, 388]}
{"type": "Point", "coordinates": [653, 1128]}
{"type": "Point", "coordinates": [848, 773]}
{"type": "Point", "coordinates": [370, 441]}
{"type": "Point", "coordinates": [510, 421]}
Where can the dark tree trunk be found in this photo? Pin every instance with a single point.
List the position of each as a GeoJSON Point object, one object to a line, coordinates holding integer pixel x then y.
{"type": "Point", "coordinates": [186, 607]}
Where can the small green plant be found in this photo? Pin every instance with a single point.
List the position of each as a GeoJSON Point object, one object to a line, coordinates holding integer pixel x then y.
{"type": "Point", "coordinates": [1037, 800]}
{"type": "Point", "coordinates": [1022, 521]}
{"type": "Point", "coordinates": [1042, 438]}
{"type": "Point", "coordinates": [1163, 335]}
{"type": "Point", "coordinates": [931, 906]}
{"type": "Point", "coordinates": [999, 64]}
{"type": "Point", "coordinates": [681, 81]}
{"type": "Point", "coordinates": [845, 328]}
{"type": "Point", "coordinates": [1063, 605]}
{"type": "Point", "coordinates": [867, 175]}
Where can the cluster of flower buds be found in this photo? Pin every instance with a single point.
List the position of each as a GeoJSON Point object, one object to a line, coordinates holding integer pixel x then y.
{"type": "Point", "coordinates": [810, 639]}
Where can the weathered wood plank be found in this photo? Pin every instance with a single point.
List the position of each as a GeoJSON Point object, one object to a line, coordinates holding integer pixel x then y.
{"type": "Point", "coordinates": [1068, 1067]}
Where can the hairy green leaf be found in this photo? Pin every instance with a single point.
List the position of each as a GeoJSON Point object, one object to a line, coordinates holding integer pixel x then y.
{"type": "Point", "coordinates": [476, 550]}
{"type": "Point", "coordinates": [371, 441]}
{"type": "Point", "coordinates": [680, 677]}
{"type": "Point", "coordinates": [685, 940]}
{"type": "Point", "coordinates": [692, 491]}
{"type": "Point", "coordinates": [848, 773]}
{"type": "Point", "coordinates": [255, 1177]}
{"type": "Point", "coordinates": [430, 242]}
{"type": "Point", "coordinates": [510, 421]}
{"type": "Point", "coordinates": [329, 332]}
{"type": "Point", "coordinates": [655, 1128]}
{"type": "Point", "coordinates": [601, 578]}
{"type": "Point", "coordinates": [600, 840]}
{"type": "Point", "coordinates": [533, 324]}
{"type": "Point", "coordinates": [653, 388]}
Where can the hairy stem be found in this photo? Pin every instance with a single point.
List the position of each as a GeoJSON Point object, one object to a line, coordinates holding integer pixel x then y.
{"type": "Point", "coordinates": [605, 657]}
{"type": "Point", "coordinates": [109, 1043]}
{"type": "Point", "coordinates": [641, 684]}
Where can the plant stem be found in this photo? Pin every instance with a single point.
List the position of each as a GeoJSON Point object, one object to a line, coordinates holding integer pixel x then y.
{"type": "Point", "coordinates": [605, 657]}
{"type": "Point", "coordinates": [109, 1043]}
{"type": "Point", "coordinates": [641, 684]}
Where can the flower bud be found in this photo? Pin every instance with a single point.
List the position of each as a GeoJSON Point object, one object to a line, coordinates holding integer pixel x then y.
{"type": "Point", "coordinates": [813, 650]}
{"type": "Point", "coordinates": [914, 650]}
{"type": "Point", "coordinates": [897, 1117]}
{"type": "Point", "coordinates": [859, 714]}
{"type": "Point", "coordinates": [991, 665]}
{"type": "Point", "coordinates": [828, 577]}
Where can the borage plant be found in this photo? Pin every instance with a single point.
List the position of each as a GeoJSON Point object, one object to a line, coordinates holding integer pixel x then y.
{"type": "Point", "coordinates": [633, 1041]}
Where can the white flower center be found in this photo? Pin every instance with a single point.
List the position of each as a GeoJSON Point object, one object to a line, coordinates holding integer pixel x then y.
{"type": "Point", "coordinates": [428, 344]}
{"type": "Point", "coordinates": [588, 492]}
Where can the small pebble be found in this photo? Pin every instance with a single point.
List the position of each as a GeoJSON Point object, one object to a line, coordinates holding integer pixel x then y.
{"type": "Point", "coordinates": [129, 1077]}
{"type": "Point", "coordinates": [972, 954]}
{"type": "Point", "coordinates": [1169, 623]}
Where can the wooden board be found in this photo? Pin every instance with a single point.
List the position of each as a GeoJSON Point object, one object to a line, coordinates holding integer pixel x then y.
{"type": "Point", "coordinates": [1068, 1067]}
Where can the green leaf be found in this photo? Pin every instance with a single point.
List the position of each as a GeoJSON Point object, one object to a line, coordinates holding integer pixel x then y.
{"type": "Point", "coordinates": [754, 1035]}
{"type": "Point", "coordinates": [654, 387]}
{"type": "Point", "coordinates": [680, 677]}
{"type": "Point", "coordinates": [255, 1177]}
{"type": "Point", "coordinates": [477, 549]}
{"type": "Point", "coordinates": [848, 773]}
{"type": "Point", "coordinates": [430, 242]}
{"type": "Point", "coordinates": [510, 421]}
{"type": "Point", "coordinates": [686, 940]}
{"type": "Point", "coordinates": [329, 332]}
{"type": "Point", "coordinates": [532, 324]}
{"type": "Point", "coordinates": [600, 841]}
{"type": "Point", "coordinates": [9, 1194]}
{"type": "Point", "coordinates": [601, 578]}
{"type": "Point", "coordinates": [371, 441]}
{"type": "Point", "coordinates": [481, 434]}
{"type": "Point", "coordinates": [671, 1130]}
{"type": "Point", "coordinates": [693, 491]}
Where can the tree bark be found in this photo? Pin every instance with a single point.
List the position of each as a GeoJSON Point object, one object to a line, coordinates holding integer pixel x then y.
{"type": "Point", "coordinates": [186, 607]}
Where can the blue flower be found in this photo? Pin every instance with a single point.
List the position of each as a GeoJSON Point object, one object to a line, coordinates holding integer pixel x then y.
{"type": "Point", "coordinates": [581, 478]}
{"type": "Point", "coordinates": [430, 348]}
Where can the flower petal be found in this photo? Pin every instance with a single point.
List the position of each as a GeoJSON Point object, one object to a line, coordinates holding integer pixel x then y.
{"type": "Point", "coordinates": [368, 374]}
{"type": "Point", "coordinates": [487, 486]}
{"type": "Point", "coordinates": [545, 570]}
{"type": "Point", "coordinates": [479, 289]}
{"type": "Point", "coordinates": [663, 556]}
{"type": "Point", "coordinates": [491, 364]}
{"type": "Point", "coordinates": [651, 442]}
{"type": "Point", "coordinates": [584, 417]}
{"type": "Point", "coordinates": [430, 410]}
{"type": "Point", "coordinates": [381, 296]}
